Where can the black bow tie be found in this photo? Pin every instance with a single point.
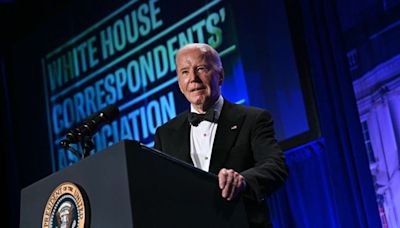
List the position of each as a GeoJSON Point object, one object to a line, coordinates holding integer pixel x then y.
{"type": "Point", "coordinates": [195, 118]}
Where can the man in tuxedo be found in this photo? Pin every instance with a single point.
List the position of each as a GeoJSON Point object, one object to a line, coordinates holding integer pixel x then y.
{"type": "Point", "coordinates": [233, 141]}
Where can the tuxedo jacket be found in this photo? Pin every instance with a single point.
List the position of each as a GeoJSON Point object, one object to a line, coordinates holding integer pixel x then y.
{"type": "Point", "coordinates": [244, 142]}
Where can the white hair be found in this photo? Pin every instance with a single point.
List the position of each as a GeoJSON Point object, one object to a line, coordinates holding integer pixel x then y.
{"type": "Point", "coordinates": [208, 51]}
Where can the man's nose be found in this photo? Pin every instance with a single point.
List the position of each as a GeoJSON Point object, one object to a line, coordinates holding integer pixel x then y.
{"type": "Point", "coordinates": [194, 76]}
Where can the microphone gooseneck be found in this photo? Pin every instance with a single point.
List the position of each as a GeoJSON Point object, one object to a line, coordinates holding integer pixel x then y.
{"type": "Point", "coordinates": [83, 133]}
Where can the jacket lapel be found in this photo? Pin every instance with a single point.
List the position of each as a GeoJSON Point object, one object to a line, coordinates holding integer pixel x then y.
{"type": "Point", "coordinates": [229, 124]}
{"type": "Point", "coordinates": [182, 136]}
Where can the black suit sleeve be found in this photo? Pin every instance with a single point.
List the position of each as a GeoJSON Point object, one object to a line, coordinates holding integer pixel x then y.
{"type": "Point", "coordinates": [270, 169]}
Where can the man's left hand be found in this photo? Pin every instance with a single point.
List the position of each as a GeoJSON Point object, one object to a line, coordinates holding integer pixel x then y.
{"type": "Point", "coordinates": [231, 183]}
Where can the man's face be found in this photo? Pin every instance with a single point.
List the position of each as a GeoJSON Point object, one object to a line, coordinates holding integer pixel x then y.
{"type": "Point", "coordinates": [198, 76]}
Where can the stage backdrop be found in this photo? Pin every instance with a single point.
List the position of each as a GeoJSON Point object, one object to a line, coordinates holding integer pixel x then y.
{"type": "Point", "coordinates": [97, 53]}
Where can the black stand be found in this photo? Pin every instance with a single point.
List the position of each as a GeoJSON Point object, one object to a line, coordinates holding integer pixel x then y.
{"type": "Point", "coordinates": [129, 185]}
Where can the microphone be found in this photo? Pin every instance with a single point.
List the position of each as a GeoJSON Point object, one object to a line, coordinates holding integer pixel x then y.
{"type": "Point", "coordinates": [89, 126]}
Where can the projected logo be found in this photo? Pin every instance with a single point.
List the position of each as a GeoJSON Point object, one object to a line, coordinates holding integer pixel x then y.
{"type": "Point", "coordinates": [128, 59]}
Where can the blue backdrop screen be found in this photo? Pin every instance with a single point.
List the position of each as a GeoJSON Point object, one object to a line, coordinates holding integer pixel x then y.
{"type": "Point", "coordinates": [124, 54]}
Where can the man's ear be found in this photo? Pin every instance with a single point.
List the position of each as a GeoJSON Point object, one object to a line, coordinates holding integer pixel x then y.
{"type": "Point", "coordinates": [221, 76]}
{"type": "Point", "coordinates": [179, 85]}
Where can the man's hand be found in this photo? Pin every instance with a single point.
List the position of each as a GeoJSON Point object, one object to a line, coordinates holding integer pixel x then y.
{"type": "Point", "coordinates": [231, 183]}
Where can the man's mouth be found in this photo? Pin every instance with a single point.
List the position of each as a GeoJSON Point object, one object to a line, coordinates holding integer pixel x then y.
{"type": "Point", "coordinates": [197, 89]}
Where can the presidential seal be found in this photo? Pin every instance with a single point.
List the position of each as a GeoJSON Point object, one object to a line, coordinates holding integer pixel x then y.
{"type": "Point", "coordinates": [65, 208]}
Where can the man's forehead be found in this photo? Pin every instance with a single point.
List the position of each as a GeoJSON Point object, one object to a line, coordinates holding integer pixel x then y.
{"type": "Point", "coordinates": [189, 57]}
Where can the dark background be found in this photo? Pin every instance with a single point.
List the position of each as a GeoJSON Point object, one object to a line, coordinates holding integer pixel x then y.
{"type": "Point", "coordinates": [330, 183]}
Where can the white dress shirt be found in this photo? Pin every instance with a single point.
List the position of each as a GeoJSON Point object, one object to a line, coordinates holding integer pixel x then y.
{"type": "Point", "coordinates": [202, 138]}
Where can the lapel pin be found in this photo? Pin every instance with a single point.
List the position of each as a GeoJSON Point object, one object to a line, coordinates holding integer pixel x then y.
{"type": "Point", "coordinates": [234, 127]}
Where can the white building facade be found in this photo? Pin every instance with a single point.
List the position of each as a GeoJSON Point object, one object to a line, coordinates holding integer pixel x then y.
{"type": "Point", "coordinates": [378, 99]}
